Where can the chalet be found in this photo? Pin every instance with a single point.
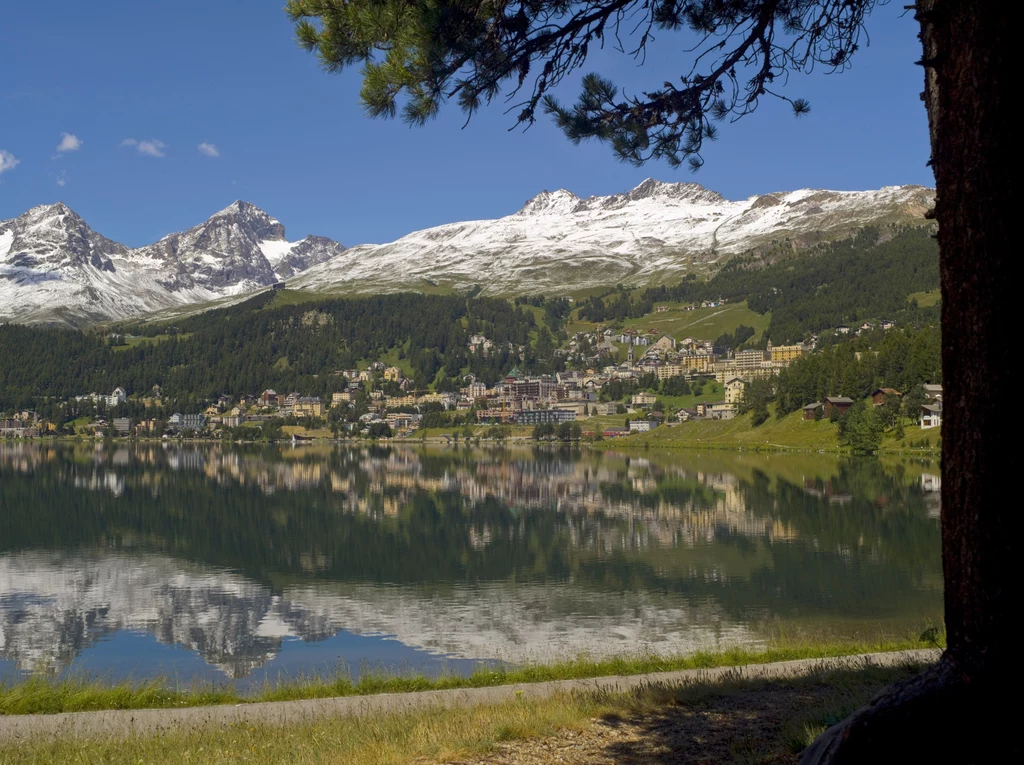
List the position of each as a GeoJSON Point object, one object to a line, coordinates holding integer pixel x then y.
{"type": "Point", "coordinates": [838, 403]}
{"type": "Point", "coordinates": [842, 329]}
{"type": "Point", "coordinates": [685, 415]}
{"type": "Point", "coordinates": [880, 395]}
{"type": "Point", "coordinates": [734, 388]}
{"type": "Point", "coordinates": [931, 415]}
{"type": "Point", "coordinates": [811, 410]}
{"type": "Point", "coordinates": [933, 392]}
{"type": "Point", "coordinates": [393, 374]}
{"type": "Point", "coordinates": [268, 397]}
{"type": "Point", "coordinates": [887, 324]}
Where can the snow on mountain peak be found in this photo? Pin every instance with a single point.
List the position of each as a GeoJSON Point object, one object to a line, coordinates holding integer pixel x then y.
{"type": "Point", "coordinates": [561, 202]}
{"type": "Point", "coordinates": [655, 233]}
{"type": "Point", "coordinates": [688, 192]}
{"type": "Point", "coordinates": [53, 266]}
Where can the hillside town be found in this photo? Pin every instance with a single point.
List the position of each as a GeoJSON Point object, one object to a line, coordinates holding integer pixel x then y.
{"type": "Point", "coordinates": [379, 400]}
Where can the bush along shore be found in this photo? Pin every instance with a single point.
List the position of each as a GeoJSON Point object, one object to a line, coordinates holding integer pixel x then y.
{"type": "Point", "coordinates": [79, 693]}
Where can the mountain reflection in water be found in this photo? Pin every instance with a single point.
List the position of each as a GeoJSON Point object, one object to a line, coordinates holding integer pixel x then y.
{"type": "Point", "coordinates": [242, 556]}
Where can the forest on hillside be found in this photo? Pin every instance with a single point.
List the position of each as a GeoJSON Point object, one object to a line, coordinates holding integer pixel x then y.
{"type": "Point", "coordinates": [256, 345]}
{"type": "Point", "coordinates": [867, 277]}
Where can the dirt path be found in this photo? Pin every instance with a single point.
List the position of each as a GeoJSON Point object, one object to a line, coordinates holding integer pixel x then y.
{"type": "Point", "coordinates": [151, 721]}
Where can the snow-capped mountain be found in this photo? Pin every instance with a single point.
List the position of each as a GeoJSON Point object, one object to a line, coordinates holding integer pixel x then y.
{"type": "Point", "coordinates": [53, 267]}
{"type": "Point", "coordinates": [655, 232]}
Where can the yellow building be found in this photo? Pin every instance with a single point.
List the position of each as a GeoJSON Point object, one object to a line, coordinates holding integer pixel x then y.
{"type": "Point", "coordinates": [785, 353]}
{"type": "Point", "coordinates": [308, 406]}
{"type": "Point", "coordinates": [393, 374]}
{"type": "Point", "coordinates": [670, 370]}
{"type": "Point", "coordinates": [341, 398]}
{"type": "Point", "coordinates": [698, 363]}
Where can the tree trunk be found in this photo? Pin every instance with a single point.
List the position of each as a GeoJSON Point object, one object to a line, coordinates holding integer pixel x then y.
{"type": "Point", "coordinates": [955, 711]}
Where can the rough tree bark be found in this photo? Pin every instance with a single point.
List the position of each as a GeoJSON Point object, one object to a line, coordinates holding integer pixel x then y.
{"type": "Point", "coordinates": [958, 711]}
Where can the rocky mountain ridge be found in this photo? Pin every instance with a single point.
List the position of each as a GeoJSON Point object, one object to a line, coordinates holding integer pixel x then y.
{"type": "Point", "coordinates": [55, 268]}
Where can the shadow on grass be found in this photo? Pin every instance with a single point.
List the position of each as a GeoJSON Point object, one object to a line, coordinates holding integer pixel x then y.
{"type": "Point", "coordinates": [750, 722]}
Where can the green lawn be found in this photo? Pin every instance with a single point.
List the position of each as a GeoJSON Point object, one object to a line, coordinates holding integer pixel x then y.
{"type": "Point", "coordinates": [791, 432]}
{"type": "Point", "coordinates": [925, 299]}
{"type": "Point", "coordinates": [703, 323]}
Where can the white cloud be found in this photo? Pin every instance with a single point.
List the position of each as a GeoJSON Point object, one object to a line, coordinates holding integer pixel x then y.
{"type": "Point", "coordinates": [62, 179]}
{"type": "Point", "coordinates": [154, 147]}
{"type": "Point", "coordinates": [69, 142]}
{"type": "Point", "coordinates": [209, 149]}
{"type": "Point", "coordinates": [7, 161]}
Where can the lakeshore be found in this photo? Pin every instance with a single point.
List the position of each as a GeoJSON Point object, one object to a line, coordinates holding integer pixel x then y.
{"type": "Point", "coordinates": [697, 716]}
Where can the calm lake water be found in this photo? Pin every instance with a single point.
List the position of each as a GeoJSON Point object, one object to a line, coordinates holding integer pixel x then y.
{"type": "Point", "coordinates": [253, 564]}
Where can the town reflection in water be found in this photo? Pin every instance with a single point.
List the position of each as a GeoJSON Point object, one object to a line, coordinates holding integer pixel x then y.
{"type": "Point", "coordinates": [239, 562]}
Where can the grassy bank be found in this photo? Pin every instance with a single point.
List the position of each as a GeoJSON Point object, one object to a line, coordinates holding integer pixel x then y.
{"type": "Point", "coordinates": [41, 695]}
{"type": "Point", "coordinates": [790, 432]}
{"type": "Point", "coordinates": [730, 721]}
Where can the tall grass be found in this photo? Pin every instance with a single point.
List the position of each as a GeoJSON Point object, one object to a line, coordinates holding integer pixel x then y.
{"type": "Point", "coordinates": [78, 693]}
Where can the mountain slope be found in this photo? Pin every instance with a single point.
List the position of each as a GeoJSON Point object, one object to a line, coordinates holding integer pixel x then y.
{"type": "Point", "coordinates": [54, 268]}
{"type": "Point", "coordinates": [654, 232]}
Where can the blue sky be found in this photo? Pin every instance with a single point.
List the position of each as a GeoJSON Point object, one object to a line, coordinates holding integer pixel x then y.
{"type": "Point", "coordinates": [141, 85]}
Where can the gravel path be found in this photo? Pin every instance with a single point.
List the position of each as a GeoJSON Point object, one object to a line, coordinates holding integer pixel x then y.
{"type": "Point", "coordinates": [150, 721]}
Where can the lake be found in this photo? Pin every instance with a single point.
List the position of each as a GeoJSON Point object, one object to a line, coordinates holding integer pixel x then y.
{"type": "Point", "coordinates": [254, 564]}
